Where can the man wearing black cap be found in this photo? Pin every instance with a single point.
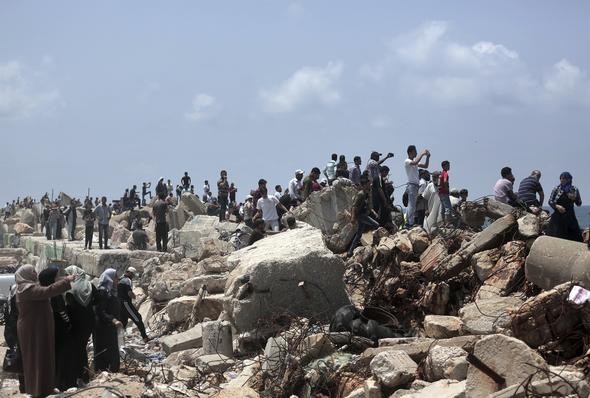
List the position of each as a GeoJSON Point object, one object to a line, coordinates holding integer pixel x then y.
{"type": "Point", "coordinates": [374, 163]}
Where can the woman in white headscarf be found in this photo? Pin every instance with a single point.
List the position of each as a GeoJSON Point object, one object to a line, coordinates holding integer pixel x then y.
{"type": "Point", "coordinates": [79, 301]}
{"type": "Point", "coordinates": [35, 328]}
{"type": "Point", "coordinates": [430, 195]}
{"type": "Point", "coordinates": [104, 336]}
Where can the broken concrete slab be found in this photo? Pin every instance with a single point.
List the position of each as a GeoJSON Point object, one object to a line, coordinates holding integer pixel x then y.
{"type": "Point", "coordinates": [433, 255]}
{"type": "Point", "coordinates": [217, 338]}
{"type": "Point", "coordinates": [442, 326]}
{"type": "Point", "coordinates": [393, 368]}
{"type": "Point", "coordinates": [483, 262]}
{"type": "Point", "coordinates": [191, 338]}
{"type": "Point", "coordinates": [214, 363]}
{"type": "Point", "coordinates": [215, 284]}
{"type": "Point", "coordinates": [489, 316]}
{"type": "Point", "coordinates": [509, 358]}
{"type": "Point", "coordinates": [553, 261]}
{"type": "Point", "coordinates": [495, 209]}
{"type": "Point", "coordinates": [440, 389]}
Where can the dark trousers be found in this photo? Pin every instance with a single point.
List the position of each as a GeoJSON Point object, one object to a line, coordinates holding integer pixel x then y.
{"type": "Point", "coordinates": [223, 208]}
{"type": "Point", "coordinates": [88, 232]}
{"type": "Point", "coordinates": [128, 310]}
{"type": "Point", "coordinates": [363, 222]}
{"type": "Point", "coordinates": [103, 233]}
{"type": "Point", "coordinates": [162, 236]}
{"type": "Point", "coordinates": [73, 231]}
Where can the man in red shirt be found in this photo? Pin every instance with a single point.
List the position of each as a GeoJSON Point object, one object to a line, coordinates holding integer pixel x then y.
{"type": "Point", "coordinates": [443, 192]}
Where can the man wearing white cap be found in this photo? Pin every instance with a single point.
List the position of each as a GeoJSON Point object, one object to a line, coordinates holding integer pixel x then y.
{"type": "Point", "coordinates": [126, 296]}
{"type": "Point", "coordinates": [295, 186]}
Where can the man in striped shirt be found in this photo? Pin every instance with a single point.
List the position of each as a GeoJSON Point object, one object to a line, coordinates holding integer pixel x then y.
{"type": "Point", "coordinates": [529, 188]}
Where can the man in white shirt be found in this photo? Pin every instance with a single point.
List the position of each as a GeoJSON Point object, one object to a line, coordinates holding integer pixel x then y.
{"type": "Point", "coordinates": [330, 170]}
{"type": "Point", "coordinates": [206, 191]}
{"type": "Point", "coordinates": [268, 208]}
{"type": "Point", "coordinates": [412, 164]}
{"type": "Point", "coordinates": [295, 186]}
{"type": "Point", "coordinates": [278, 192]}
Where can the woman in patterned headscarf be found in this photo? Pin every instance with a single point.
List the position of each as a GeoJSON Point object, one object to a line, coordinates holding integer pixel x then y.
{"type": "Point", "coordinates": [35, 329]}
{"type": "Point", "coordinates": [104, 336]}
{"type": "Point", "coordinates": [79, 301]}
{"type": "Point", "coordinates": [563, 223]}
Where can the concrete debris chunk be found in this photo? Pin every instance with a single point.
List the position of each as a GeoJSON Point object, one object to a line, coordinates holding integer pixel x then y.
{"type": "Point", "coordinates": [393, 368]}
{"type": "Point", "coordinates": [446, 363]}
{"type": "Point", "coordinates": [509, 360]}
{"type": "Point", "coordinates": [442, 326]}
{"type": "Point", "coordinates": [192, 338]}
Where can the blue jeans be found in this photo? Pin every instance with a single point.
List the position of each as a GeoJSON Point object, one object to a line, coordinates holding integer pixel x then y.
{"type": "Point", "coordinates": [446, 209]}
{"type": "Point", "coordinates": [412, 198]}
{"type": "Point", "coordinates": [363, 221]}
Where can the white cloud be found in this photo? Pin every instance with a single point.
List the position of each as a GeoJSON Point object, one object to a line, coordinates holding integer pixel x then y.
{"type": "Point", "coordinates": [306, 86]}
{"type": "Point", "coordinates": [427, 64]}
{"type": "Point", "coordinates": [566, 80]}
{"type": "Point", "coordinates": [20, 94]}
{"type": "Point", "coordinates": [204, 107]}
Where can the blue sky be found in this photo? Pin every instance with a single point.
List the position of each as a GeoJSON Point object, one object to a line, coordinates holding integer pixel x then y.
{"type": "Point", "coordinates": [103, 95]}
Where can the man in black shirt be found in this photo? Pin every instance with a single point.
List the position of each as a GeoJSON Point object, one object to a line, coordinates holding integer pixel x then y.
{"type": "Point", "coordinates": [185, 181]}
{"type": "Point", "coordinates": [160, 209]}
{"type": "Point", "coordinates": [126, 296]}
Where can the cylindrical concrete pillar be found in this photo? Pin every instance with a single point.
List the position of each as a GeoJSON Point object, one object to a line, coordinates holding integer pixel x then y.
{"type": "Point", "coordinates": [553, 261]}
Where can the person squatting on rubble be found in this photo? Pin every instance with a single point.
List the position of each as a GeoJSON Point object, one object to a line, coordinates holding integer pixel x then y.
{"type": "Point", "coordinates": [140, 237]}
{"type": "Point", "coordinates": [104, 337]}
{"type": "Point", "coordinates": [529, 188]}
{"type": "Point", "coordinates": [563, 223]}
{"type": "Point", "coordinates": [103, 215]}
{"type": "Point", "coordinates": [186, 181]}
{"type": "Point", "coordinates": [36, 330]}
{"type": "Point", "coordinates": [412, 163]}
{"type": "Point", "coordinates": [79, 304]}
{"type": "Point", "coordinates": [363, 214]}
{"type": "Point", "coordinates": [222, 194]}
{"type": "Point", "coordinates": [159, 211]}
{"type": "Point", "coordinates": [126, 297]}
{"type": "Point", "coordinates": [503, 190]}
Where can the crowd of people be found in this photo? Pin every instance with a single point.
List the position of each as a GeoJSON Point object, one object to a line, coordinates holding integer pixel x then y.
{"type": "Point", "coordinates": [50, 320]}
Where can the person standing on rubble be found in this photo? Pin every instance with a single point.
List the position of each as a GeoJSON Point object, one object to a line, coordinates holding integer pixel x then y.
{"type": "Point", "coordinates": [222, 194]}
{"type": "Point", "coordinates": [563, 223]}
{"type": "Point", "coordinates": [362, 213]}
{"type": "Point", "coordinates": [373, 164]}
{"type": "Point", "coordinates": [89, 219]}
{"type": "Point", "coordinates": [433, 203]}
{"type": "Point", "coordinates": [412, 163]}
{"type": "Point", "coordinates": [206, 191]}
{"type": "Point", "coordinates": [104, 336]}
{"type": "Point", "coordinates": [381, 202]}
{"type": "Point", "coordinates": [310, 183]}
{"type": "Point", "coordinates": [35, 328]}
{"type": "Point", "coordinates": [145, 192]}
{"type": "Point", "coordinates": [103, 215]}
{"type": "Point", "coordinates": [126, 297]}
{"type": "Point", "coordinates": [446, 210]}
{"type": "Point", "coordinates": [330, 169]}
{"type": "Point", "coordinates": [159, 211]}
{"type": "Point", "coordinates": [295, 187]}
{"type": "Point", "coordinates": [161, 188]}
{"type": "Point", "coordinates": [71, 215]}
{"type": "Point", "coordinates": [186, 181]}
{"type": "Point", "coordinates": [267, 206]}
{"type": "Point", "coordinates": [355, 171]}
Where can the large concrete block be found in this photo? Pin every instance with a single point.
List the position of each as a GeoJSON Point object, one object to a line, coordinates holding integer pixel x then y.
{"type": "Point", "coordinates": [393, 368]}
{"type": "Point", "coordinates": [192, 338]}
{"type": "Point", "coordinates": [290, 272]}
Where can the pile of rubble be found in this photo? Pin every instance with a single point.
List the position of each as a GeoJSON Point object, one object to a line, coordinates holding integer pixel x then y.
{"type": "Point", "coordinates": [491, 308]}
